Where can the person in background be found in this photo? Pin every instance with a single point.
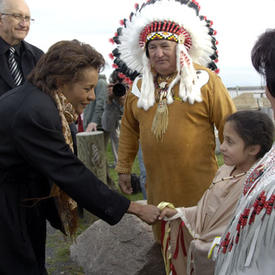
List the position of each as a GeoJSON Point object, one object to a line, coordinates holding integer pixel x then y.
{"type": "Point", "coordinates": [113, 110]}
{"type": "Point", "coordinates": [40, 177]}
{"type": "Point", "coordinates": [92, 114]}
{"type": "Point", "coordinates": [111, 119]}
{"type": "Point", "coordinates": [248, 243]}
{"type": "Point", "coordinates": [17, 57]}
{"type": "Point", "coordinates": [248, 136]}
{"type": "Point", "coordinates": [174, 104]}
{"type": "Point", "coordinates": [142, 176]}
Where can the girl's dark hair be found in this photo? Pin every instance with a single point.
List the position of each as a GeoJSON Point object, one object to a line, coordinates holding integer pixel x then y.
{"type": "Point", "coordinates": [64, 63]}
{"type": "Point", "coordinates": [263, 58]}
{"type": "Point", "coordinates": [255, 128]}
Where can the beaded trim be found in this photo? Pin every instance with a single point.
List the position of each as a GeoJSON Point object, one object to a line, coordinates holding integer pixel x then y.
{"type": "Point", "coordinates": [164, 30]}
{"type": "Point", "coordinates": [253, 222]}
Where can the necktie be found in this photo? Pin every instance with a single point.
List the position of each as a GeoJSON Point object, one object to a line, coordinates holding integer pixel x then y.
{"type": "Point", "coordinates": [14, 69]}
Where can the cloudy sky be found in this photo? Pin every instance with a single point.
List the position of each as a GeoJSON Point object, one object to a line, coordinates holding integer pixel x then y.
{"type": "Point", "coordinates": [238, 24]}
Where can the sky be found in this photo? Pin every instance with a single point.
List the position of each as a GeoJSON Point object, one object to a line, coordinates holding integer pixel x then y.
{"type": "Point", "coordinates": [238, 24]}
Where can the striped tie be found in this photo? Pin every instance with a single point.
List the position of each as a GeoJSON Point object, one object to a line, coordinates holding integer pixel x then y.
{"type": "Point", "coordinates": [14, 69]}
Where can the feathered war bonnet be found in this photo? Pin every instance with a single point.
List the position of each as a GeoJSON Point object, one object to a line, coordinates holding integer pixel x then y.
{"type": "Point", "coordinates": [176, 20]}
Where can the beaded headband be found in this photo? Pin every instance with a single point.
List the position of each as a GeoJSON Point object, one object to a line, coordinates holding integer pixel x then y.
{"type": "Point", "coordinates": [162, 36]}
{"type": "Point", "coordinates": [165, 30]}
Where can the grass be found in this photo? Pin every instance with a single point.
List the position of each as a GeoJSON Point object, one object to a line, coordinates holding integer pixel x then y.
{"type": "Point", "coordinates": [219, 159]}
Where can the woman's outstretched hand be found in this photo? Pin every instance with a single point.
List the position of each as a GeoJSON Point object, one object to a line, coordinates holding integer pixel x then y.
{"type": "Point", "coordinates": [147, 213]}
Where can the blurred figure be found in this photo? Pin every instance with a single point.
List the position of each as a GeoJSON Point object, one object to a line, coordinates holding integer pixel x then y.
{"type": "Point", "coordinates": [142, 177]}
{"type": "Point", "coordinates": [111, 120]}
{"type": "Point", "coordinates": [92, 114]}
{"type": "Point", "coordinates": [113, 111]}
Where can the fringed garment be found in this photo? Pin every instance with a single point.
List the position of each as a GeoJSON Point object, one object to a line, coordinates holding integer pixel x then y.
{"type": "Point", "coordinates": [192, 230]}
{"type": "Point", "coordinates": [67, 207]}
{"type": "Point", "coordinates": [248, 244]}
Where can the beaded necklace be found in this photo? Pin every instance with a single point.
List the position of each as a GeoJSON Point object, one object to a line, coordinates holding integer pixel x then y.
{"type": "Point", "coordinates": [230, 177]}
{"type": "Point", "coordinates": [161, 85]}
{"type": "Point", "coordinates": [160, 122]}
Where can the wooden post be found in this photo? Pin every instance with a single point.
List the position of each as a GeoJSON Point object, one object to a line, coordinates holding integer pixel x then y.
{"type": "Point", "coordinates": [91, 151]}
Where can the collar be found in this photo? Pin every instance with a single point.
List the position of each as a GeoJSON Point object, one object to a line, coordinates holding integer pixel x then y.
{"type": "Point", "coordinates": [164, 78]}
{"type": "Point", "coordinates": [4, 47]}
{"type": "Point", "coordinates": [18, 49]}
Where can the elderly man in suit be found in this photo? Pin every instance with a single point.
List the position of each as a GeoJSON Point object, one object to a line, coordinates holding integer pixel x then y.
{"type": "Point", "coordinates": [17, 57]}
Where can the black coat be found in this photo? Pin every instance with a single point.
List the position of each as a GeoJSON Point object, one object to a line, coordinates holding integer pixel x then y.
{"type": "Point", "coordinates": [33, 152]}
{"type": "Point", "coordinates": [29, 57]}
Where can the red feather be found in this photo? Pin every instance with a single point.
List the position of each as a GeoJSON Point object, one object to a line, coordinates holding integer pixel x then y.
{"type": "Point", "coordinates": [121, 75]}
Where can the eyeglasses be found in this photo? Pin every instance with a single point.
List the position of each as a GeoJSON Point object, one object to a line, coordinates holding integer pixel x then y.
{"type": "Point", "coordinates": [19, 17]}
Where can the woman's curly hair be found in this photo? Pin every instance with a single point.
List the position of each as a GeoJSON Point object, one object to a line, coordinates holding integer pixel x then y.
{"type": "Point", "coordinates": [64, 63]}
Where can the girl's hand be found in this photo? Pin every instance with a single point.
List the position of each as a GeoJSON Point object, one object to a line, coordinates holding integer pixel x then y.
{"type": "Point", "coordinates": [167, 212]}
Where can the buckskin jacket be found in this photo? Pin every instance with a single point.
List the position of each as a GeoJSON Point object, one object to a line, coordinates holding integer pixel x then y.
{"type": "Point", "coordinates": [181, 166]}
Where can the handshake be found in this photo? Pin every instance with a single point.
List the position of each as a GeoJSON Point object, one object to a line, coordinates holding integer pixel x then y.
{"type": "Point", "coordinates": [151, 213]}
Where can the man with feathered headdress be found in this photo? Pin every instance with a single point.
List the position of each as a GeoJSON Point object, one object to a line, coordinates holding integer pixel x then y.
{"type": "Point", "coordinates": [175, 101]}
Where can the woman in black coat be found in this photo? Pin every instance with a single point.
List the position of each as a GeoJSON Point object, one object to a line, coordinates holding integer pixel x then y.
{"type": "Point", "coordinates": [40, 177]}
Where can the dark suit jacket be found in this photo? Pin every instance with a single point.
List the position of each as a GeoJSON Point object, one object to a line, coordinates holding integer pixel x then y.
{"type": "Point", "coordinates": [29, 57]}
{"type": "Point", "coordinates": [32, 153]}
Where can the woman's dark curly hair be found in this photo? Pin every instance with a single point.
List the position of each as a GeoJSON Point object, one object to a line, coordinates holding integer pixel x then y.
{"type": "Point", "coordinates": [263, 58]}
{"type": "Point", "coordinates": [64, 63]}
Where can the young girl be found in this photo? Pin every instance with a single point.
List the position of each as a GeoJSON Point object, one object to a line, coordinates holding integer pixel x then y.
{"type": "Point", "coordinates": [247, 246]}
{"type": "Point", "coordinates": [189, 232]}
